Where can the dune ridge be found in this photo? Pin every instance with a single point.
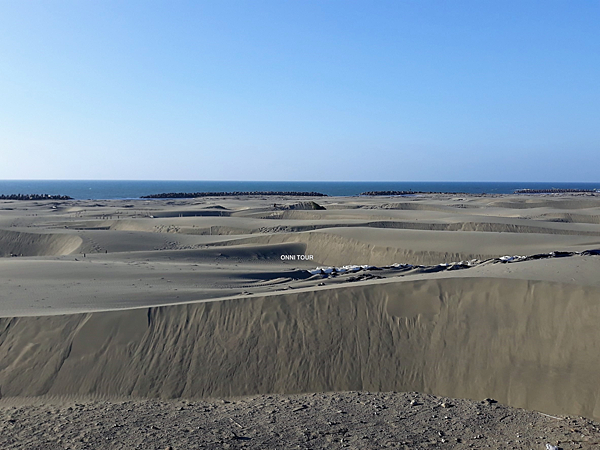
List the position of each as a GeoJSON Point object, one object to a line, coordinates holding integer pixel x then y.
{"type": "Point", "coordinates": [338, 250]}
{"type": "Point", "coordinates": [339, 246]}
{"type": "Point", "coordinates": [571, 218]}
{"type": "Point", "coordinates": [492, 227]}
{"type": "Point", "coordinates": [529, 344]}
{"type": "Point", "coordinates": [555, 203]}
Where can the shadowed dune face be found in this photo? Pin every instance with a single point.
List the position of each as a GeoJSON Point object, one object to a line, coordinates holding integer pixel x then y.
{"type": "Point", "coordinates": [333, 249]}
{"type": "Point", "coordinates": [530, 344]}
{"type": "Point", "coordinates": [337, 246]}
{"type": "Point", "coordinates": [37, 244]}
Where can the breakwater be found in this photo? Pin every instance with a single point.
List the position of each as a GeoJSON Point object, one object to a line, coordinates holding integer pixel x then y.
{"type": "Point", "coordinates": [375, 193]}
{"type": "Point", "coordinates": [234, 194]}
{"type": "Point", "coordinates": [553, 191]}
{"type": "Point", "coordinates": [34, 197]}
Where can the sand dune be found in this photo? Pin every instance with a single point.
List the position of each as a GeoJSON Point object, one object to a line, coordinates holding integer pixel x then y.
{"type": "Point", "coordinates": [419, 206]}
{"type": "Point", "coordinates": [22, 243]}
{"type": "Point", "coordinates": [175, 300]}
{"type": "Point", "coordinates": [193, 213]}
{"type": "Point", "coordinates": [556, 203]}
{"type": "Point", "coordinates": [571, 218]}
{"type": "Point", "coordinates": [495, 227]}
{"type": "Point", "coordinates": [518, 341]}
{"type": "Point", "coordinates": [330, 248]}
{"type": "Point", "coordinates": [356, 245]}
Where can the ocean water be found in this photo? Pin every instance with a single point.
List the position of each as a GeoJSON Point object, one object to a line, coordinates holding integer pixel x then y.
{"type": "Point", "coordinates": [121, 189]}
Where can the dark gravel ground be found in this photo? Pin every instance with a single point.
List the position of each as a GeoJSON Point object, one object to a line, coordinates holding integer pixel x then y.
{"type": "Point", "coordinates": [360, 420]}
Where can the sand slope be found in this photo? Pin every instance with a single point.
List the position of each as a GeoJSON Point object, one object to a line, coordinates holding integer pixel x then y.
{"type": "Point", "coordinates": [37, 244]}
{"type": "Point", "coordinates": [362, 245]}
{"type": "Point", "coordinates": [529, 344]}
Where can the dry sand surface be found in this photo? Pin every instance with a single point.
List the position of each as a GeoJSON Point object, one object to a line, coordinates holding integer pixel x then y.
{"type": "Point", "coordinates": [190, 299]}
{"type": "Point", "coordinates": [360, 420]}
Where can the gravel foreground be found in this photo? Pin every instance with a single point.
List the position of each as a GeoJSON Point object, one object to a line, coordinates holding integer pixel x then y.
{"type": "Point", "coordinates": [360, 420]}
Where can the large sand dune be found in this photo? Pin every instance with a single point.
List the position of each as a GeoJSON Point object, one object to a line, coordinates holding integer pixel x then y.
{"type": "Point", "coordinates": [530, 344]}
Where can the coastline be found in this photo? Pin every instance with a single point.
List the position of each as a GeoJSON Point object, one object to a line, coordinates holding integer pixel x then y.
{"type": "Point", "coordinates": [122, 189]}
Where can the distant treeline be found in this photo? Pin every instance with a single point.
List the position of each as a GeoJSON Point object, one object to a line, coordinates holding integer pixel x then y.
{"type": "Point", "coordinates": [233, 194]}
{"type": "Point", "coordinates": [551, 191]}
{"type": "Point", "coordinates": [34, 197]}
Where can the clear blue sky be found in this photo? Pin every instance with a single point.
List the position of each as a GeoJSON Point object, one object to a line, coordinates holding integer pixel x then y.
{"type": "Point", "coordinates": [300, 90]}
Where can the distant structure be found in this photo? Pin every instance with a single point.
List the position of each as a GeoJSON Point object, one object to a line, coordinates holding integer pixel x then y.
{"type": "Point", "coordinates": [34, 197]}
{"type": "Point", "coordinates": [553, 191]}
{"type": "Point", "coordinates": [233, 194]}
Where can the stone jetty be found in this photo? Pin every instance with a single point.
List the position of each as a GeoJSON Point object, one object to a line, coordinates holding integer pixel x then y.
{"type": "Point", "coordinates": [553, 191]}
{"type": "Point", "coordinates": [234, 194]}
{"type": "Point", "coordinates": [34, 197]}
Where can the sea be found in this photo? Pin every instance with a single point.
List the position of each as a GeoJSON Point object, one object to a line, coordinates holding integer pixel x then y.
{"type": "Point", "coordinates": [122, 189]}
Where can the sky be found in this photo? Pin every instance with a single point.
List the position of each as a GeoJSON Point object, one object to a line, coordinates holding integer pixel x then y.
{"type": "Point", "coordinates": [327, 90]}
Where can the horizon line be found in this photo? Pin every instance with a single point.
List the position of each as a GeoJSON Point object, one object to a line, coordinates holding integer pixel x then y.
{"type": "Point", "coordinates": [288, 181]}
